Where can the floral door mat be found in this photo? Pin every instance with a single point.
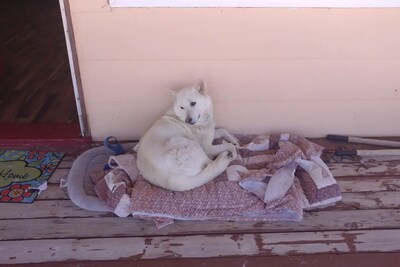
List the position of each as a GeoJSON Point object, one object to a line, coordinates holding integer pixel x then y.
{"type": "Point", "coordinates": [23, 174]}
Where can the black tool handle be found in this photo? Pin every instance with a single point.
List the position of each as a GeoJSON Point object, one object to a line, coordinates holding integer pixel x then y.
{"type": "Point", "coordinates": [346, 153]}
{"type": "Point", "coordinates": [337, 137]}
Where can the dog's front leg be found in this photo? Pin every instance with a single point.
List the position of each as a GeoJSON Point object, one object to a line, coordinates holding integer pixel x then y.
{"type": "Point", "coordinates": [213, 151]}
{"type": "Point", "coordinates": [222, 133]}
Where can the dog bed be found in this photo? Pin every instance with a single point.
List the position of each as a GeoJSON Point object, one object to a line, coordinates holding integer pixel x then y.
{"type": "Point", "coordinates": [80, 185]}
{"type": "Point", "coordinates": [274, 178]}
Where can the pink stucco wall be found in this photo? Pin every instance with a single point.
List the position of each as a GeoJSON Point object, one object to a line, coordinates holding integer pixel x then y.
{"type": "Point", "coordinates": [306, 71]}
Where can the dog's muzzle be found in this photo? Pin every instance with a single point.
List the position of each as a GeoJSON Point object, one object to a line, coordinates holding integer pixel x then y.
{"type": "Point", "coordinates": [190, 121]}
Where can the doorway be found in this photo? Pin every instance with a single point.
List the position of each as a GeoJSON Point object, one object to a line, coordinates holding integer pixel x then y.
{"type": "Point", "coordinates": [36, 91]}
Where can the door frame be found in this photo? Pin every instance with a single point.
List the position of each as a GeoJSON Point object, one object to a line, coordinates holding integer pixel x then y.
{"type": "Point", "coordinates": [74, 67]}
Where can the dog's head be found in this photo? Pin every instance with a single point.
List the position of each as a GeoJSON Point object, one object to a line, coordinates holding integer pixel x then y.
{"type": "Point", "coordinates": [193, 105]}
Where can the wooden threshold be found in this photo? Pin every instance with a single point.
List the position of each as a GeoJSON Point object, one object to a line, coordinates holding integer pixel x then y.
{"type": "Point", "coordinates": [47, 134]}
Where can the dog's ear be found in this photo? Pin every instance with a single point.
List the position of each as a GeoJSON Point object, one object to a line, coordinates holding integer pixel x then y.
{"type": "Point", "coordinates": [173, 91]}
{"type": "Point", "coordinates": [200, 86]}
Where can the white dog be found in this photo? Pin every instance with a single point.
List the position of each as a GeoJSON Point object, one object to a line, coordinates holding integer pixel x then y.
{"type": "Point", "coordinates": [176, 152]}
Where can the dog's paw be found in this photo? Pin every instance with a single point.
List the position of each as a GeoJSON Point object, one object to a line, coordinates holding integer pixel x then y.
{"type": "Point", "coordinates": [233, 140]}
{"type": "Point", "coordinates": [231, 148]}
{"type": "Point", "coordinates": [224, 158]}
{"type": "Point", "coordinates": [230, 155]}
{"type": "Point", "coordinates": [231, 152]}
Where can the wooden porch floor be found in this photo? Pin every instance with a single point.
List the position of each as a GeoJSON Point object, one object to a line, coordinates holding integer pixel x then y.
{"type": "Point", "coordinates": [361, 230]}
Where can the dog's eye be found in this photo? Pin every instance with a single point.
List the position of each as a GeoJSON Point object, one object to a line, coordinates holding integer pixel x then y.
{"type": "Point", "coordinates": [182, 108]}
{"type": "Point", "coordinates": [192, 104]}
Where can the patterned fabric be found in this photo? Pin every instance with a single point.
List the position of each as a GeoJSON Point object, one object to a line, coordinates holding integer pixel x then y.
{"type": "Point", "coordinates": [273, 179]}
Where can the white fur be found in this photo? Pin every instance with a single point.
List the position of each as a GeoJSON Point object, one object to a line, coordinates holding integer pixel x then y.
{"type": "Point", "coordinates": [176, 152]}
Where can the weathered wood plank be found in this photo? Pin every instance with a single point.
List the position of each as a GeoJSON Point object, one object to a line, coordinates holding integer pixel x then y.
{"type": "Point", "coordinates": [67, 161]}
{"type": "Point", "coordinates": [332, 158]}
{"type": "Point", "coordinates": [47, 209]}
{"type": "Point", "coordinates": [57, 175]}
{"type": "Point", "coordinates": [370, 168]}
{"type": "Point", "coordinates": [335, 145]}
{"type": "Point", "coordinates": [200, 246]}
{"type": "Point", "coordinates": [65, 208]}
{"type": "Point", "coordinates": [365, 169]}
{"type": "Point", "coordinates": [362, 170]}
{"type": "Point", "coordinates": [347, 184]}
{"type": "Point", "coordinates": [53, 192]}
{"type": "Point", "coordinates": [369, 184]}
{"type": "Point", "coordinates": [327, 260]}
{"type": "Point", "coordinates": [129, 227]}
{"type": "Point", "coordinates": [385, 168]}
{"type": "Point", "coordinates": [369, 200]}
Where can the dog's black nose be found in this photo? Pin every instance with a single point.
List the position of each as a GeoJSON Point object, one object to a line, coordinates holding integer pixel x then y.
{"type": "Point", "coordinates": [189, 120]}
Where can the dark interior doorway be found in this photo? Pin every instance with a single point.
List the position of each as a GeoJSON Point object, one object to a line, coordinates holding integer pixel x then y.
{"type": "Point", "coordinates": [36, 91]}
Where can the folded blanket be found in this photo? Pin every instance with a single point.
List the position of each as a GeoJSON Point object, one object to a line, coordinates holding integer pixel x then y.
{"type": "Point", "coordinates": [273, 178]}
